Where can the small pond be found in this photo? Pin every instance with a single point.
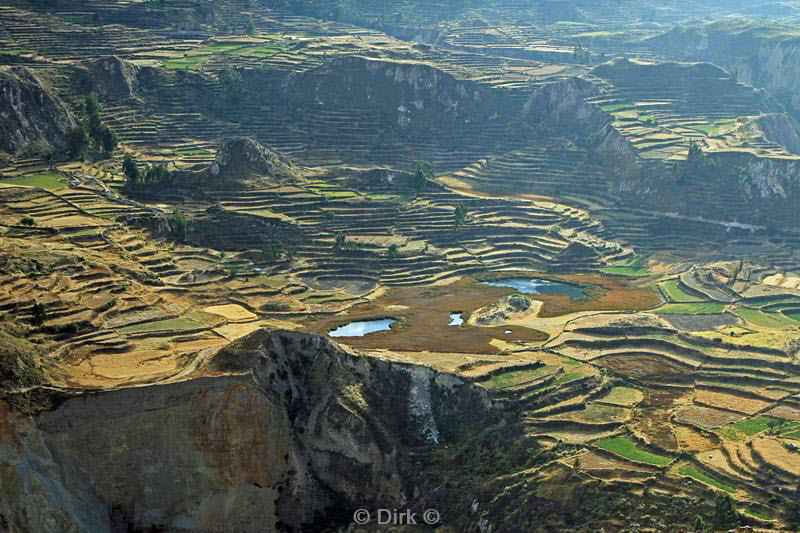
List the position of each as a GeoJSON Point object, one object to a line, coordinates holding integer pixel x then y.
{"type": "Point", "coordinates": [361, 328]}
{"type": "Point", "coordinates": [456, 319]}
{"type": "Point", "coordinates": [539, 286]}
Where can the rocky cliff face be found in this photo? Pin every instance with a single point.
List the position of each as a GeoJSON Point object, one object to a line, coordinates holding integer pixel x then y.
{"type": "Point", "coordinates": [761, 55]}
{"type": "Point", "coordinates": [770, 187]}
{"type": "Point", "coordinates": [112, 77]}
{"type": "Point", "coordinates": [32, 118]}
{"type": "Point", "coordinates": [412, 96]}
{"type": "Point", "coordinates": [243, 158]}
{"type": "Point", "coordinates": [283, 429]}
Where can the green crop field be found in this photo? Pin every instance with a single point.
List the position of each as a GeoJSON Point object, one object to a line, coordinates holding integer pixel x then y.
{"type": "Point", "coordinates": [48, 180]}
{"type": "Point", "coordinates": [749, 427]}
{"type": "Point", "coordinates": [702, 308]}
{"type": "Point", "coordinates": [632, 267]}
{"type": "Point", "coordinates": [772, 301]}
{"type": "Point", "coordinates": [626, 448]}
{"type": "Point", "coordinates": [697, 474]}
{"type": "Point", "coordinates": [764, 320]}
{"type": "Point", "coordinates": [674, 293]}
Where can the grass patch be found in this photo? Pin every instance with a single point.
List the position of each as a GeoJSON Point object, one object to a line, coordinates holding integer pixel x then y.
{"type": "Point", "coordinates": [512, 378]}
{"type": "Point", "coordinates": [758, 514]}
{"type": "Point", "coordinates": [715, 128]}
{"type": "Point", "coordinates": [694, 473]}
{"type": "Point", "coordinates": [172, 324]}
{"type": "Point", "coordinates": [614, 107]}
{"type": "Point", "coordinates": [626, 448]}
{"type": "Point", "coordinates": [749, 427]}
{"type": "Point", "coordinates": [674, 293]}
{"type": "Point", "coordinates": [569, 376]}
{"type": "Point", "coordinates": [703, 308]}
{"type": "Point", "coordinates": [631, 267]}
{"type": "Point", "coordinates": [759, 304]}
{"type": "Point", "coordinates": [764, 320]}
{"type": "Point", "coordinates": [623, 396]}
{"type": "Point", "coordinates": [48, 180]}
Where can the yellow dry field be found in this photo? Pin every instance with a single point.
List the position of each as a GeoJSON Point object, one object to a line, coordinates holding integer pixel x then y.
{"type": "Point", "coordinates": [235, 331]}
{"type": "Point", "coordinates": [691, 440]}
{"type": "Point", "coordinates": [599, 461]}
{"type": "Point", "coordinates": [775, 453]}
{"type": "Point", "coordinates": [729, 401]}
{"type": "Point", "coordinates": [72, 221]}
{"type": "Point", "coordinates": [716, 460]}
{"type": "Point", "coordinates": [467, 365]}
{"type": "Point", "coordinates": [233, 312]}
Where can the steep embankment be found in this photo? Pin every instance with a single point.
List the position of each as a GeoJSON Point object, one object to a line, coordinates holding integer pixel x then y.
{"type": "Point", "coordinates": [639, 120]}
{"type": "Point", "coordinates": [282, 430]}
{"type": "Point", "coordinates": [760, 53]}
{"type": "Point", "coordinates": [32, 118]}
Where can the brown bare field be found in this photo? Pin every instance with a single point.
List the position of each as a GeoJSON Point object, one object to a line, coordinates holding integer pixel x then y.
{"type": "Point", "coordinates": [784, 411]}
{"type": "Point", "coordinates": [599, 461]}
{"type": "Point", "coordinates": [422, 322]}
{"type": "Point", "coordinates": [705, 417]}
{"type": "Point", "coordinates": [729, 401]}
{"type": "Point", "coordinates": [642, 366]}
{"type": "Point", "coordinates": [605, 294]}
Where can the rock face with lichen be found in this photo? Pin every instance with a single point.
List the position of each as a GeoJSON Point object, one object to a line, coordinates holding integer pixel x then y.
{"type": "Point", "coordinates": [32, 117]}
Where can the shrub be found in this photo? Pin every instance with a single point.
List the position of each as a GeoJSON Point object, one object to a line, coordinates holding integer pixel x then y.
{"type": "Point", "coordinates": [27, 221]}
{"type": "Point", "coordinates": [78, 140]}
{"type": "Point", "coordinates": [423, 171]}
{"type": "Point", "coordinates": [131, 170]}
{"type": "Point", "coordinates": [39, 314]}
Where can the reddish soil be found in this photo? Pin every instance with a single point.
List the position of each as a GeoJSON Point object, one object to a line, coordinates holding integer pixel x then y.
{"type": "Point", "coordinates": [424, 325]}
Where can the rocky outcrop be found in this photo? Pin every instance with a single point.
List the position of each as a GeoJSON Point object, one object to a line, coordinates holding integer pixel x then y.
{"type": "Point", "coordinates": [278, 430]}
{"type": "Point", "coordinates": [239, 161]}
{"type": "Point", "coordinates": [412, 95]}
{"type": "Point", "coordinates": [244, 158]}
{"type": "Point", "coordinates": [112, 77]}
{"type": "Point", "coordinates": [502, 310]}
{"type": "Point", "coordinates": [32, 117]}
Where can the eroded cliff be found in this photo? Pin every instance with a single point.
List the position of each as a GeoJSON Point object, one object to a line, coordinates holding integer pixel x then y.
{"type": "Point", "coordinates": [277, 431]}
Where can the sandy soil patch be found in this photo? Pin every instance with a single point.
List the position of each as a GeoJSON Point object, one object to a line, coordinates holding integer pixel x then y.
{"type": "Point", "coordinates": [233, 312]}
{"type": "Point", "coordinates": [786, 281]}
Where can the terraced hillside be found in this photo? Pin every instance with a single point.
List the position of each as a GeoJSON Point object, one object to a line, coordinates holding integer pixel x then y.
{"type": "Point", "coordinates": [266, 263]}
